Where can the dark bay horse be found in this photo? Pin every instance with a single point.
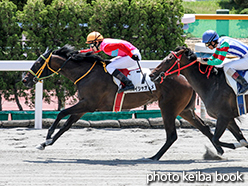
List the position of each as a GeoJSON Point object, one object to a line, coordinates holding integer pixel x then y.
{"type": "Point", "coordinates": [218, 97]}
{"type": "Point", "coordinates": [96, 92]}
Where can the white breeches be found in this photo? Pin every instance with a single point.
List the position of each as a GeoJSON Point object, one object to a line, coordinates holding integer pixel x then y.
{"type": "Point", "coordinates": [240, 64]}
{"type": "Point", "coordinates": [123, 62]}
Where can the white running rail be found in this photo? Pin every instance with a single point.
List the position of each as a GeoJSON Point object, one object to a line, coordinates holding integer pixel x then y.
{"type": "Point", "coordinates": [20, 65]}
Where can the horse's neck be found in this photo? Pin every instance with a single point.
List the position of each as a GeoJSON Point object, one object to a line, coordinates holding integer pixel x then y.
{"type": "Point", "coordinates": [77, 70]}
{"type": "Point", "coordinates": [72, 69]}
{"type": "Point", "coordinates": [200, 82]}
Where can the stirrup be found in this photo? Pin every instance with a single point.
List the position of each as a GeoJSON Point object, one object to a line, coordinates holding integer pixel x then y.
{"type": "Point", "coordinates": [243, 90]}
{"type": "Point", "coordinates": [126, 88]}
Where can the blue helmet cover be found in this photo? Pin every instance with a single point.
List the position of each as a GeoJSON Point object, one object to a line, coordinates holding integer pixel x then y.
{"type": "Point", "coordinates": [209, 35]}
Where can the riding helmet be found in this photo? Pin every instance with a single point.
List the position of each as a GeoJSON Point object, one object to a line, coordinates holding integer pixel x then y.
{"type": "Point", "coordinates": [93, 37]}
{"type": "Point", "coordinates": [209, 35]}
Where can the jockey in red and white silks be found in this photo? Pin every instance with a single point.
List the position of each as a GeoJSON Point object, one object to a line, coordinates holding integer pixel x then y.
{"type": "Point", "coordinates": [124, 52]}
{"type": "Point", "coordinates": [126, 55]}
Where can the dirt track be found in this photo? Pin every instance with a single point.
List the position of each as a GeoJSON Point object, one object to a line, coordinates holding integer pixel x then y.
{"type": "Point", "coordinates": [111, 156]}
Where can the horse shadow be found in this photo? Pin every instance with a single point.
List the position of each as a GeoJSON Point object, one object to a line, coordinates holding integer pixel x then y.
{"type": "Point", "coordinates": [114, 162]}
{"type": "Point", "coordinates": [142, 161]}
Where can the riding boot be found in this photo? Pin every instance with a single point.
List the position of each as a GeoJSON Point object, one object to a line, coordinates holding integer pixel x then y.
{"type": "Point", "coordinates": [128, 84]}
{"type": "Point", "coordinates": [241, 81]}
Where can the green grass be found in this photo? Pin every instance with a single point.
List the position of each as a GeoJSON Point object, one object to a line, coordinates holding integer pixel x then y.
{"type": "Point", "coordinates": [210, 6]}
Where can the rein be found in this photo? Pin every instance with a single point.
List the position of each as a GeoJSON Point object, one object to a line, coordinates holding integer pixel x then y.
{"type": "Point", "coordinates": [104, 67]}
{"type": "Point", "coordinates": [208, 69]}
{"type": "Point", "coordinates": [177, 70]}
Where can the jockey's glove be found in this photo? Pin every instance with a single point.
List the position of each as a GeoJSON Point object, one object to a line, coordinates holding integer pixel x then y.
{"type": "Point", "coordinates": [135, 57]}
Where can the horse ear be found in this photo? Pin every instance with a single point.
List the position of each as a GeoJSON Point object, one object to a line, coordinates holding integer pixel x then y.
{"type": "Point", "coordinates": [47, 49]}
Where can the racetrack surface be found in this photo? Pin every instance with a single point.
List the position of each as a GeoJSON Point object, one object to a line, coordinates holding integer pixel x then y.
{"type": "Point", "coordinates": [116, 157]}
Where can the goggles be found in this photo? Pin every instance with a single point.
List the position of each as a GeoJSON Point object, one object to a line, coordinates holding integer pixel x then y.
{"type": "Point", "coordinates": [92, 45]}
{"type": "Point", "coordinates": [207, 44]}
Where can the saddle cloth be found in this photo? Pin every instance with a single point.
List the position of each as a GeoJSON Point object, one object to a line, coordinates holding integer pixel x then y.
{"type": "Point", "coordinates": [139, 83]}
{"type": "Point", "coordinates": [240, 99]}
{"type": "Point", "coordinates": [137, 79]}
{"type": "Point", "coordinates": [241, 104]}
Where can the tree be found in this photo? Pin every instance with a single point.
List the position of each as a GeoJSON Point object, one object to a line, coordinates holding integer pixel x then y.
{"type": "Point", "coordinates": [10, 49]}
{"type": "Point", "coordinates": [151, 25]}
{"type": "Point", "coordinates": [62, 22]}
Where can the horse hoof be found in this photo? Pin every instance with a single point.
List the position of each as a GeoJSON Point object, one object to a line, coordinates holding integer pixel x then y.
{"type": "Point", "coordinates": [144, 159]}
{"type": "Point", "coordinates": [40, 147]}
{"type": "Point", "coordinates": [220, 151]}
{"type": "Point", "coordinates": [49, 141]}
{"type": "Point", "coordinates": [209, 155]}
{"type": "Point", "coordinates": [154, 158]}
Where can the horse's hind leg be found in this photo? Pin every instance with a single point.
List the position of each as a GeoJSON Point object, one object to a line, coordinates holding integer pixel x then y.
{"type": "Point", "coordinates": [198, 123]}
{"type": "Point", "coordinates": [235, 130]}
{"type": "Point", "coordinates": [221, 125]}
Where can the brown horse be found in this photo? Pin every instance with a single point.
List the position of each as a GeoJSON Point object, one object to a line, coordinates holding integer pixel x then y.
{"type": "Point", "coordinates": [218, 97]}
{"type": "Point", "coordinates": [96, 92]}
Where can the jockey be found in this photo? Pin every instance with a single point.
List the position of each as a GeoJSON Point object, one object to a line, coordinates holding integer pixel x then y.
{"type": "Point", "coordinates": [126, 53]}
{"type": "Point", "coordinates": [225, 45]}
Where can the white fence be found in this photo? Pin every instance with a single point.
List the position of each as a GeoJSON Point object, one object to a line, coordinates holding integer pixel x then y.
{"type": "Point", "coordinates": [26, 65]}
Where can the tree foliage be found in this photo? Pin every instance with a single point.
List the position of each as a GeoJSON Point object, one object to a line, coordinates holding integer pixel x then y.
{"type": "Point", "coordinates": [241, 3]}
{"type": "Point", "coordinates": [151, 25]}
{"type": "Point", "coordinates": [10, 49]}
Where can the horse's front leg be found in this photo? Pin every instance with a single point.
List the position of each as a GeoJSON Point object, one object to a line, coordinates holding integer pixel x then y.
{"type": "Point", "coordinates": [52, 128]}
{"type": "Point", "coordinates": [72, 119]}
{"type": "Point", "coordinates": [49, 141]}
{"type": "Point", "coordinates": [198, 123]}
{"type": "Point", "coordinates": [171, 137]}
{"type": "Point", "coordinates": [75, 111]}
{"type": "Point", "coordinates": [169, 117]}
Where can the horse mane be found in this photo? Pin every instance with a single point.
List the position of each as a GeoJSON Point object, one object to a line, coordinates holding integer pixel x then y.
{"type": "Point", "coordinates": [192, 56]}
{"type": "Point", "coordinates": [69, 51]}
{"type": "Point", "coordinates": [188, 52]}
{"type": "Point", "coordinates": [65, 51]}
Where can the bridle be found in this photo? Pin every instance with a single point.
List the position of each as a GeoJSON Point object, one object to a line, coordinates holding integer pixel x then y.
{"type": "Point", "coordinates": [41, 69]}
{"type": "Point", "coordinates": [163, 75]}
{"type": "Point", "coordinates": [46, 64]}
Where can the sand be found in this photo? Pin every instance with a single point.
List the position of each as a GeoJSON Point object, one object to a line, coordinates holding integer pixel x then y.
{"type": "Point", "coordinates": [118, 157]}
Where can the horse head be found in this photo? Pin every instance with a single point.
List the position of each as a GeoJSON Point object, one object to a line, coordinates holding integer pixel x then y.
{"type": "Point", "coordinates": [51, 63]}
{"type": "Point", "coordinates": [172, 64]}
{"type": "Point", "coordinates": [38, 70]}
